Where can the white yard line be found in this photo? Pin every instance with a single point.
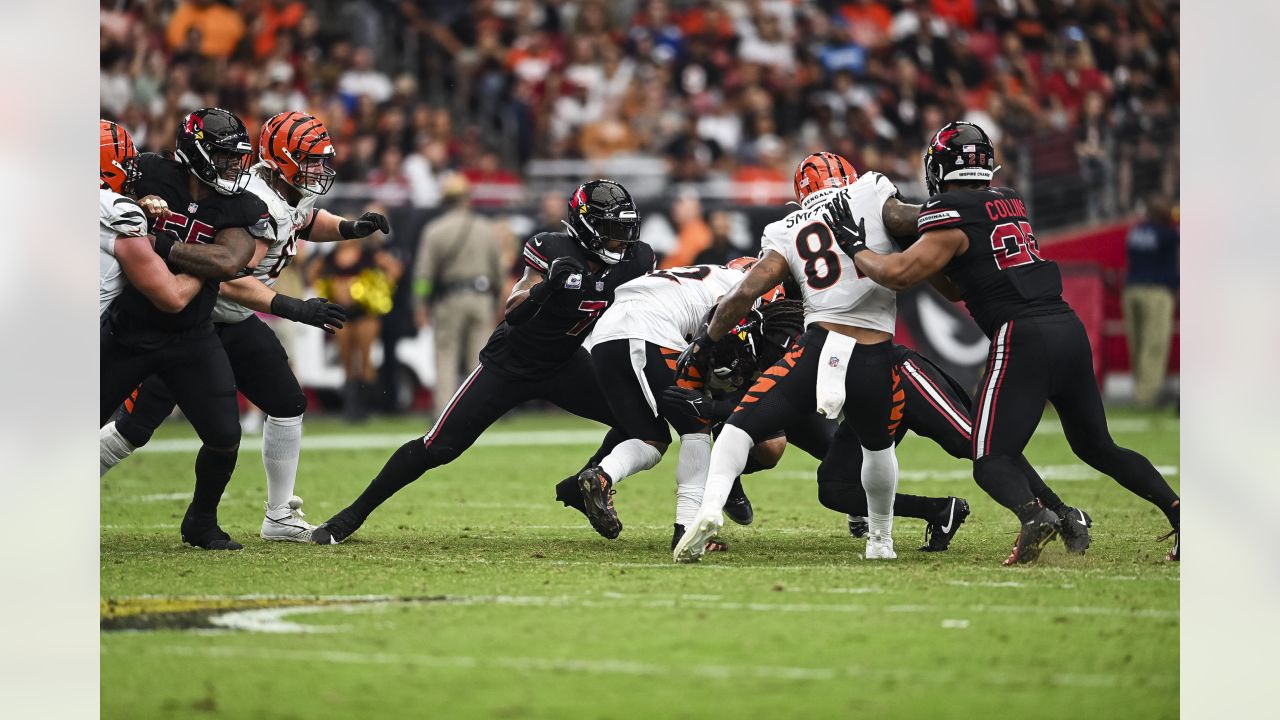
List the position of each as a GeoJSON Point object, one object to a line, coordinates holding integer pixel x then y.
{"type": "Point", "coordinates": [636, 668]}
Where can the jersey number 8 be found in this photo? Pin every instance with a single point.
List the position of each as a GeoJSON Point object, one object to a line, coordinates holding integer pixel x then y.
{"type": "Point", "coordinates": [815, 243]}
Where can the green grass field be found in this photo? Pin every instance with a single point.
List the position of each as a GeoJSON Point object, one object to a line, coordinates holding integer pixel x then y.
{"type": "Point", "coordinates": [473, 593]}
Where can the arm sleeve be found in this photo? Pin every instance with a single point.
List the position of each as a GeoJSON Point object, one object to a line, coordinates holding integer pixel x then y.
{"type": "Point", "coordinates": [938, 214]}
{"type": "Point", "coordinates": [535, 256]}
{"type": "Point", "coordinates": [122, 215]}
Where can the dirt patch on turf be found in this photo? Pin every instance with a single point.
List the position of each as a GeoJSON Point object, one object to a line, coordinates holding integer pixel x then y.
{"type": "Point", "coordinates": [199, 613]}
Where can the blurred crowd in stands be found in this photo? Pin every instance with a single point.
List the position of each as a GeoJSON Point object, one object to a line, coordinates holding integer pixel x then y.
{"type": "Point", "coordinates": [716, 99]}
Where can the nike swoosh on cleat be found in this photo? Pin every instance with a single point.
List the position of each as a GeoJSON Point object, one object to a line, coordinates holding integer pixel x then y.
{"type": "Point", "coordinates": [1082, 522]}
{"type": "Point", "coordinates": [950, 516]}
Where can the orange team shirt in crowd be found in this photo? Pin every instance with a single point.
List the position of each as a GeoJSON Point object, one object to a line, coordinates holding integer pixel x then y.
{"type": "Point", "coordinates": [220, 28]}
{"type": "Point", "coordinates": [271, 21]}
{"type": "Point", "coordinates": [957, 12]}
{"type": "Point", "coordinates": [693, 238]}
{"type": "Point", "coordinates": [757, 185]}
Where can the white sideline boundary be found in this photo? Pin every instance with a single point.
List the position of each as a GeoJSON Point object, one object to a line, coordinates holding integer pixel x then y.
{"type": "Point", "coordinates": [522, 438]}
{"type": "Point", "coordinates": [635, 668]}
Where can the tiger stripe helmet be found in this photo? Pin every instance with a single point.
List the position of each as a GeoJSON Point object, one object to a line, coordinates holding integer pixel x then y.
{"type": "Point", "coordinates": [821, 171]}
{"type": "Point", "coordinates": [745, 264]}
{"type": "Point", "coordinates": [117, 158]}
{"type": "Point", "coordinates": [297, 146]}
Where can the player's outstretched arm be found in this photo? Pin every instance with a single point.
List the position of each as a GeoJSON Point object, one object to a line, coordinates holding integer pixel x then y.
{"type": "Point", "coordinates": [148, 273]}
{"type": "Point", "coordinates": [327, 227]}
{"type": "Point", "coordinates": [927, 257]}
{"type": "Point", "coordinates": [230, 252]}
{"type": "Point", "coordinates": [771, 270]}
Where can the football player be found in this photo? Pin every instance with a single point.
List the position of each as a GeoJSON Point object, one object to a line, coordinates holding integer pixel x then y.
{"type": "Point", "coordinates": [536, 351]}
{"type": "Point", "coordinates": [292, 173]}
{"type": "Point", "coordinates": [977, 245]}
{"type": "Point", "coordinates": [124, 250]}
{"type": "Point", "coordinates": [209, 233]}
{"type": "Point", "coordinates": [842, 364]}
{"type": "Point", "coordinates": [634, 350]}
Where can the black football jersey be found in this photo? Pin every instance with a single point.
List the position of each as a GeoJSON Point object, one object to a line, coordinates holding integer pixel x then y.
{"type": "Point", "coordinates": [132, 318]}
{"type": "Point", "coordinates": [1001, 275]}
{"type": "Point", "coordinates": [544, 343]}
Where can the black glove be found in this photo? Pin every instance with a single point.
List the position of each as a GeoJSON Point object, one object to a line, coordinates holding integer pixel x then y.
{"type": "Point", "coordinates": [685, 402]}
{"type": "Point", "coordinates": [166, 238]}
{"type": "Point", "coordinates": [364, 226]}
{"type": "Point", "coordinates": [317, 312]}
{"type": "Point", "coordinates": [692, 363]}
{"type": "Point", "coordinates": [851, 235]}
{"type": "Point", "coordinates": [561, 271]}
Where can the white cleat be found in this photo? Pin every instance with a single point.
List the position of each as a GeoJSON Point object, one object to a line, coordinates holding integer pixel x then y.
{"type": "Point", "coordinates": [880, 546]}
{"type": "Point", "coordinates": [285, 523]}
{"type": "Point", "coordinates": [693, 544]}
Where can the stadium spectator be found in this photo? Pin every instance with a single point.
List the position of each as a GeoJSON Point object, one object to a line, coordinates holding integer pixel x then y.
{"type": "Point", "coordinates": [218, 28]}
{"type": "Point", "coordinates": [720, 251]}
{"type": "Point", "coordinates": [693, 235]}
{"type": "Point", "coordinates": [1150, 294]}
{"type": "Point", "coordinates": [460, 269]}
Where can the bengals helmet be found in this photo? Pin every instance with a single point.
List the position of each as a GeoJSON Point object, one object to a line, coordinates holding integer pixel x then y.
{"type": "Point", "coordinates": [601, 211]}
{"type": "Point", "coordinates": [297, 146]}
{"type": "Point", "coordinates": [777, 292]}
{"type": "Point", "coordinates": [959, 151]}
{"type": "Point", "coordinates": [822, 171]}
{"type": "Point", "coordinates": [214, 146]}
{"type": "Point", "coordinates": [117, 158]}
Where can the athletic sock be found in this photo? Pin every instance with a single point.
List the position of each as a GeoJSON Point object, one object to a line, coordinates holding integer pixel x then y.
{"type": "Point", "coordinates": [921, 508]}
{"type": "Point", "coordinates": [281, 444]}
{"type": "Point", "coordinates": [691, 475]}
{"type": "Point", "coordinates": [112, 448]}
{"type": "Point", "coordinates": [213, 472]}
{"type": "Point", "coordinates": [728, 457]}
{"type": "Point", "coordinates": [628, 458]}
{"type": "Point", "coordinates": [405, 465]}
{"type": "Point", "coordinates": [1038, 487]}
{"type": "Point", "coordinates": [880, 481]}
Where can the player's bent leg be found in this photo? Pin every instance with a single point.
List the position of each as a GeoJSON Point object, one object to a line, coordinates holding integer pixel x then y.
{"type": "Point", "coordinates": [484, 396]}
{"type": "Point", "coordinates": [874, 403]}
{"type": "Point", "coordinates": [1084, 422]}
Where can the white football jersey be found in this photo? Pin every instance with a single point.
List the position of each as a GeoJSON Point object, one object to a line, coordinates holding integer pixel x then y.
{"type": "Point", "coordinates": [665, 306]}
{"type": "Point", "coordinates": [832, 288]}
{"type": "Point", "coordinates": [117, 216]}
{"type": "Point", "coordinates": [285, 223]}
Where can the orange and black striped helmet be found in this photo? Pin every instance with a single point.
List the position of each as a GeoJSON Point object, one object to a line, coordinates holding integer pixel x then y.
{"type": "Point", "coordinates": [117, 158]}
{"type": "Point", "coordinates": [820, 171]}
{"type": "Point", "coordinates": [297, 146]}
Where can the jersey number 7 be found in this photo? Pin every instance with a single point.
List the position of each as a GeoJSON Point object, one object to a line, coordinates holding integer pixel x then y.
{"type": "Point", "coordinates": [592, 308]}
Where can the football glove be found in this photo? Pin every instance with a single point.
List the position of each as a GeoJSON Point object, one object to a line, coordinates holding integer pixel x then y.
{"type": "Point", "coordinates": [166, 238]}
{"type": "Point", "coordinates": [687, 403]}
{"type": "Point", "coordinates": [851, 235]}
{"type": "Point", "coordinates": [560, 274]}
{"type": "Point", "coordinates": [316, 312]}
{"type": "Point", "coordinates": [364, 226]}
{"type": "Point", "coordinates": [693, 361]}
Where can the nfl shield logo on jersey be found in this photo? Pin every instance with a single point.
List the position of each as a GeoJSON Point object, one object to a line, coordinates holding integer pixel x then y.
{"type": "Point", "coordinates": [834, 361]}
{"type": "Point", "coordinates": [192, 208]}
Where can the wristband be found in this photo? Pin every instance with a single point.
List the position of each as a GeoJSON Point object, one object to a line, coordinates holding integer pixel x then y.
{"type": "Point", "coordinates": [163, 245]}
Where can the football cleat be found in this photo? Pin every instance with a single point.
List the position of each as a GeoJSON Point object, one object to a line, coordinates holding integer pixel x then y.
{"type": "Point", "coordinates": [880, 546]}
{"type": "Point", "coordinates": [285, 523]}
{"type": "Point", "coordinates": [738, 505]}
{"type": "Point", "coordinates": [939, 531]}
{"type": "Point", "coordinates": [715, 544]}
{"type": "Point", "coordinates": [693, 544]}
{"type": "Point", "coordinates": [1033, 536]}
{"type": "Point", "coordinates": [570, 495]}
{"type": "Point", "coordinates": [597, 495]}
{"type": "Point", "coordinates": [1074, 529]}
{"type": "Point", "coordinates": [334, 530]}
{"type": "Point", "coordinates": [202, 531]}
{"type": "Point", "coordinates": [858, 527]}
{"type": "Point", "coordinates": [1175, 552]}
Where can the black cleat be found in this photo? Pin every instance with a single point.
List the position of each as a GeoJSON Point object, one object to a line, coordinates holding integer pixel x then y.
{"type": "Point", "coordinates": [1034, 535]}
{"type": "Point", "coordinates": [675, 538]}
{"type": "Point", "coordinates": [335, 530]}
{"type": "Point", "coordinates": [858, 527]}
{"type": "Point", "coordinates": [202, 531]}
{"type": "Point", "coordinates": [1074, 529]}
{"type": "Point", "coordinates": [597, 495]}
{"type": "Point", "coordinates": [939, 531]}
{"type": "Point", "coordinates": [738, 505]}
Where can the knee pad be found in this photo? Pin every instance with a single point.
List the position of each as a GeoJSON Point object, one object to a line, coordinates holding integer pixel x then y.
{"type": "Point", "coordinates": [290, 406]}
{"type": "Point", "coordinates": [990, 468]}
{"type": "Point", "coordinates": [437, 455]}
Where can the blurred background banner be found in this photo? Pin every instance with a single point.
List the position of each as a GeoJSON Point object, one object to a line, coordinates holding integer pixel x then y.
{"type": "Point", "coordinates": [702, 110]}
